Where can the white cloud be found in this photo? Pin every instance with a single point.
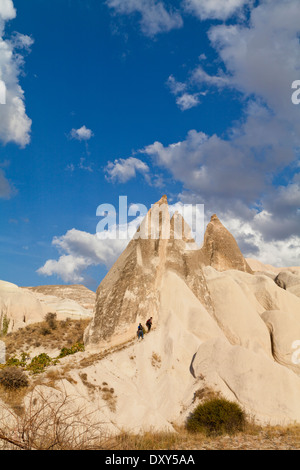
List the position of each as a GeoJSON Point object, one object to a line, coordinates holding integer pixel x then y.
{"type": "Point", "coordinates": [175, 86]}
{"type": "Point", "coordinates": [155, 18]}
{"type": "Point", "coordinates": [253, 244]}
{"type": "Point", "coordinates": [215, 9]}
{"type": "Point", "coordinates": [200, 77]}
{"type": "Point", "coordinates": [68, 268]}
{"type": "Point", "coordinates": [187, 101]}
{"type": "Point", "coordinates": [15, 125]}
{"type": "Point", "coordinates": [184, 100]}
{"type": "Point", "coordinates": [83, 133]}
{"type": "Point", "coordinates": [7, 10]}
{"type": "Point", "coordinates": [210, 166]}
{"type": "Point", "coordinates": [122, 170]}
{"type": "Point", "coordinates": [22, 41]}
{"type": "Point", "coordinates": [81, 250]}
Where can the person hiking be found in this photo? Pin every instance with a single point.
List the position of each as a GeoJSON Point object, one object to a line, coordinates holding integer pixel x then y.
{"type": "Point", "coordinates": [140, 332]}
{"type": "Point", "coordinates": [149, 324]}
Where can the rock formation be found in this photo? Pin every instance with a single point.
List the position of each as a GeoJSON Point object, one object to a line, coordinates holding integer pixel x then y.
{"type": "Point", "coordinates": [18, 308]}
{"type": "Point", "coordinates": [130, 292]}
{"type": "Point", "coordinates": [78, 293]}
{"type": "Point", "coordinates": [22, 306]}
{"type": "Point", "coordinates": [289, 280]}
{"type": "Point", "coordinates": [220, 249]}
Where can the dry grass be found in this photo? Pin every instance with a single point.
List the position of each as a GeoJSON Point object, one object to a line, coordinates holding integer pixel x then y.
{"type": "Point", "coordinates": [253, 438]}
{"type": "Point", "coordinates": [41, 335]}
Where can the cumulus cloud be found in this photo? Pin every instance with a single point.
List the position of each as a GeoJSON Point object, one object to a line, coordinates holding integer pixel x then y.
{"type": "Point", "coordinates": [154, 17]}
{"type": "Point", "coordinates": [7, 10]}
{"type": "Point", "coordinates": [211, 167]}
{"type": "Point", "coordinates": [80, 249]}
{"type": "Point", "coordinates": [122, 170]}
{"type": "Point", "coordinates": [81, 134]}
{"type": "Point", "coordinates": [215, 9]}
{"type": "Point", "coordinates": [15, 125]}
{"type": "Point", "coordinates": [254, 244]}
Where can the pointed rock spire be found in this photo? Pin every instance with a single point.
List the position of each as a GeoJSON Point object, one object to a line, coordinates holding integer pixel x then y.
{"type": "Point", "coordinates": [220, 249]}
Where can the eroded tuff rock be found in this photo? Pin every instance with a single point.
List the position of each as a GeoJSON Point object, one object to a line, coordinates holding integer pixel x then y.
{"type": "Point", "coordinates": [77, 298]}
{"type": "Point", "coordinates": [131, 291]}
{"type": "Point", "coordinates": [20, 306]}
{"type": "Point", "coordinates": [221, 250]}
{"type": "Point", "coordinates": [288, 280]}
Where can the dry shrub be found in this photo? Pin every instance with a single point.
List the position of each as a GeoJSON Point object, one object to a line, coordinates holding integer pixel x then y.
{"type": "Point", "coordinates": [51, 423]}
{"type": "Point", "coordinates": [13, 378]}
{"type": "Point", "coordinates": [51, 320]}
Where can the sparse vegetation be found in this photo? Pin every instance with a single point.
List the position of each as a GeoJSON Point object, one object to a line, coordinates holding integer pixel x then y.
{"type": "Point", "coordinates": [40, 335]}
{"type": "Point", "coordinates": [46, 335]}
{"type": "Point", "coordinates": [42, 361]}
{"type": "Point", "coordinates": [217, 416]}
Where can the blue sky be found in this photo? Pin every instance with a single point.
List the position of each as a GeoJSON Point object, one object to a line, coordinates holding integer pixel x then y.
{"type": "Point", "coordinates": [189, 98]}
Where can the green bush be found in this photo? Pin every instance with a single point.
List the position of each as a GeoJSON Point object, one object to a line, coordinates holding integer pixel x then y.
{"type": "Point", "coordinates": [13, 378]}
{"type": "Point", "coordinates": [39, 363]}
{"type": "Point", "coordinates": [78, 347]}
{"type": "Point", "coordinates": [14, 361]}
{"type": "Point", "coordinates": [217, 416]}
